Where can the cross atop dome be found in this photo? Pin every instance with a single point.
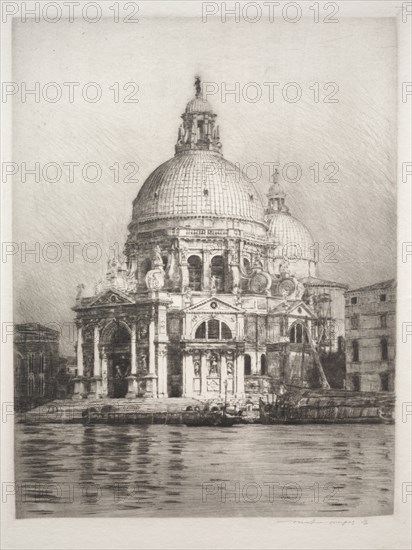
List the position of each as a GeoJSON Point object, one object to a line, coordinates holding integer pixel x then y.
{"type": "Point", "coordinates": [198, 131]}
{"type": "Point", "coordinates": [198, 86]}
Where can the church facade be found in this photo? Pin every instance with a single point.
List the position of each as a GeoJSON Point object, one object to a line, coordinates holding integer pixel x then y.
{"type": "Point", "coordinates": [217, 293]}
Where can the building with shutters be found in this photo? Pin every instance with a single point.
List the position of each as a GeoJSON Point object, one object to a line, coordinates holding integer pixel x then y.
{"type": "Point", "coordinates": [36, 363]}
{"type": "Point", "coordinates": [371, 337]}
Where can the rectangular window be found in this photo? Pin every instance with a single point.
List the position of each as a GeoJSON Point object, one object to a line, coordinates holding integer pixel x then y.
{"type": "Point", "coordinates": [354, 300]}
{"type": "Point", "coordinates": [383, 321]}
{"type": "Point", "coordinates": [354, 322]}
{"type": "Point", "coordinates": [382, 297]}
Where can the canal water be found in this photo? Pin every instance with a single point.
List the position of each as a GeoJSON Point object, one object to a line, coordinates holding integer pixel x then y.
{"type": "Point", "coordinates": [247, 470]}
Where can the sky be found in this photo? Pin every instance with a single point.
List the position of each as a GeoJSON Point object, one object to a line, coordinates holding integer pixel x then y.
{"type": "Point", "coordinates": [358, 133]}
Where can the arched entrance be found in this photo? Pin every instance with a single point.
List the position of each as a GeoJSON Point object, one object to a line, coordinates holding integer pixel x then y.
{"type": "Point", "coordinates": [116, 341]}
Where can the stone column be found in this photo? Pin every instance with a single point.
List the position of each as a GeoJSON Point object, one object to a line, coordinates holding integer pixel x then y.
{"type": "Point", "coordinates": [132, 378]}
{"type": "Point", "coordinates": [80, 367]}
{"type": "Point", "coordinates": [203, 374]}
{"type": "Point", "coordinates": [184, 377]}
{"type": "Point", "coordinates": [162, 372]}
{"type": "Point", "coordinates": [206, 270]}
{"type": "Point", "coordinates": [184, 271]}
{"type": "Point", "coordinates": [189, 372]}
{"type": "Point", "coordinates": [79, 381]}
{"type": "Point", "coordinates": [96, 356]}
{"type": "Point", "coordinates": [104, 386]}
{"type": "Point", "coordinates": [223, 373]}
{"type": "Point", "coordinates": [240, 376]}
{"type": "Point", "coordinates": [95, 386]}
{"type": "Point", "coordinates": [151, 378]}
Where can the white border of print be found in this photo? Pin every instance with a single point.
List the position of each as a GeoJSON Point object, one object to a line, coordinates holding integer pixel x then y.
{"type": "Point", "coordinates": [389, 532]}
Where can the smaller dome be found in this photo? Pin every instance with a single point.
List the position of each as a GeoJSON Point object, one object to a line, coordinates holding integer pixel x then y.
{"type": "Point", "coordinates": [290, 237]}
{"type": "Point", "coordinates": [198, 105]}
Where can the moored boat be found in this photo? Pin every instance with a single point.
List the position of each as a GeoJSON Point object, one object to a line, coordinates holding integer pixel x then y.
{"type": "Point", "coordinates": [328, 406]}
{"type": "Point", "coordinates": [210, 418]}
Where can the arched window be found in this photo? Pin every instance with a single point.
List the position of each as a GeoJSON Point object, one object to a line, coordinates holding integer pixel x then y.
{"type": "Point", "coordinates": [263, 365]}
{"type": "Point", "coordinates": [195, 272]}
{"type": "Point", "coordinates": [213, 330]}
{"type": "Point", "coordinates": [296, 334]}
{"type": "Point", "coordinates": [384, 349]}
{"type": "Point", "coordinates": [201, 332]}
{"type": "Point", "coordinates": [248, 365]}
{"type": "Point", "coordinates": [355, 351]}
{"type": "Point", "coordinates": [217, 270]}
{"type": "Point", "coordinates": [213, 327]}
{"type": "Point", "coordinates": [226, 332]}
{"type": "Point", "coordinates": [42, 363]}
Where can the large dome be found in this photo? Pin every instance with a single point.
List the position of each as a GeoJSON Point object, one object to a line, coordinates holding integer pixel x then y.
{"type": "Point", "coordinates": [198, 183]}
{"type": "Point", "coordinates": [290, 237]}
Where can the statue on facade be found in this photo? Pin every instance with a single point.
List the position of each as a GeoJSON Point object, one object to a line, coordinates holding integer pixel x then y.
{"type": "Point", "coordinates": [143, 362]}
{"type": "Point", "coordinates": [213, 284]}
{"type": "Point", "coordinates": [99, 286]}
{"type": "Point", "coordinates": [141, 330]}
{"type": "Point", "coordinates": [188, 296]}
{"type": "Point", "coordinates": [300, 289]}
{"type": "Point", "coordinates": [158, 260]}
{"type": "Point", "coordinates": [80, 288]}
{"type": "Point", "coordinates": [155, 279]}
{"type": "Point", "coordinates": [284, 269]}
{"type": "Point", "coordinates": [238, 295]}
{"type": "Point", "coordinates": [257, 261]}
{"type": "Point", "coordinates": [196, 367]}
{"type": "Point", "coordinates": [112, 268]}
{"type": "Point", "coordinates": [233, 254]}
{"type": "Point", "coordinates": [183, 254]}
{"type": "Point", "coordinates": [213, 367]}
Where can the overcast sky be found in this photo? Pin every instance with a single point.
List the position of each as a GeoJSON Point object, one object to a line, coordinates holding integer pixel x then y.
{"type": "Point", "coordinates": [358, 213]}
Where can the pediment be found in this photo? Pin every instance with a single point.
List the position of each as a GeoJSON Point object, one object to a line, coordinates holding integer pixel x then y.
{"type": "Point", "coordinates": [213, 305]}
{"type": "Point", "coordinates": [111, 297]}
{"type": "Point", "coordinates": [300, 309]}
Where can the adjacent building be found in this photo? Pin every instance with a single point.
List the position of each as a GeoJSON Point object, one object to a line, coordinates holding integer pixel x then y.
{"type": "Point", "coordinates": [371, 337]}
{"type": "Point", "coordinates": [36, 362]}
{"type": "Point", "coordinates": [218, 290]}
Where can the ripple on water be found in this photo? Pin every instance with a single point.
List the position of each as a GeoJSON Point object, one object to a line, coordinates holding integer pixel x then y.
{"type": "Point", "coordinates": [169, 471]}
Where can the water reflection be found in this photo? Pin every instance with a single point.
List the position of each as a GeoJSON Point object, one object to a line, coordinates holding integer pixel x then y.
{"type": "Point", "coordinates": [72, 470]}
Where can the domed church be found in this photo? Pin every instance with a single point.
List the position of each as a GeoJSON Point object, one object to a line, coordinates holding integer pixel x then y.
{"type": "Point", "coordinates": [217, 293]}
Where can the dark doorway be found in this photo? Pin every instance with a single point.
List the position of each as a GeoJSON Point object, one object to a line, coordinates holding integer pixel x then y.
{"type": "Point", "coordinates": [120, 364]}
{"type": "Point", "coordinates": [263, 365]}
{"type": "Point", "coordinates": [248, 365]}
{"type": "Point", "coordinates": [117, 343]}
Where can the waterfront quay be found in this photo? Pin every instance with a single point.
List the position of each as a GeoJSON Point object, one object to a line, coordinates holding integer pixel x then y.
{"type": "Point", "coordinates": [144, 410]}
